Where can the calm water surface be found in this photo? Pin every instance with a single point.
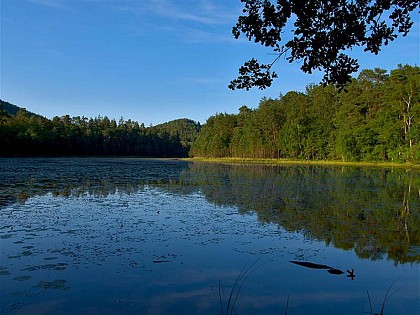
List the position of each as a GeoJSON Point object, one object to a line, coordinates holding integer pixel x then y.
{"type": "Point", "coordinates": [135, 236]}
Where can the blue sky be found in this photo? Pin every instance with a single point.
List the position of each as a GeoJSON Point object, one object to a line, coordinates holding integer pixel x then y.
{"type": "Point", "coordinates": [147, 60]}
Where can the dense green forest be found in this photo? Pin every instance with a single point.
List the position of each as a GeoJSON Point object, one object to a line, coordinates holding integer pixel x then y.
{"type": "Point", "coordinates": [376, 118]}
{"type": "Point", "coordinates": [25, 134]}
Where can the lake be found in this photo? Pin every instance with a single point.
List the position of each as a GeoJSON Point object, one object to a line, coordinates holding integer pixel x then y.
{"type": "Point", "coordinates": [144, 236]}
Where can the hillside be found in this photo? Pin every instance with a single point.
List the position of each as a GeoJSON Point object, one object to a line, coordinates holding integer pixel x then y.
{"type": "Point", "coordinates": [12, 110]}
{"type": "Point", "coordinates": [27, 134]}
{"type": "Point", "coordinates": [186, 129]}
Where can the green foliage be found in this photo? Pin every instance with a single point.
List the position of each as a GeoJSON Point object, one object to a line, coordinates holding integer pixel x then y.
{"type": "Point", "coordinates": [183, 130]}
{"type": "Point", "coordinates": [26, 134]}
{"type": "Point", "coordinates": [377, 118]}
{"type": "Point", "coordinates": [215, 137]}
{"type": "Point", "coordinates": [322, 35]}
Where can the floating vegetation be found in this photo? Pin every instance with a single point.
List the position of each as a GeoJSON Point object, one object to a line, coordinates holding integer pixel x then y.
{"type": "Point", "coordinates": [22, 278]}
{"type": "Point", "coordinates": [4, 271]}
{"type": "Point", "coordinates": [58, 267]}
{"type": "Point", "coordinates": [55, 285]}
{"type": "Point", "coordinates": [50, 258]}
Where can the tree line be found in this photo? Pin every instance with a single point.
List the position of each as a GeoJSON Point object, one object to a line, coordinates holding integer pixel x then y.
{"type": "Point", "coordinates": [27, 134]}
{"type": "Point", "coordinates": [376, 118]}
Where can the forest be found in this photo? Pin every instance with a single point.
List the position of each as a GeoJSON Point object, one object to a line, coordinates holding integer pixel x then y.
{"type": "Point", "coordinates": [26, 134]}
{"type": "Point", "coordinates": [376, 118]}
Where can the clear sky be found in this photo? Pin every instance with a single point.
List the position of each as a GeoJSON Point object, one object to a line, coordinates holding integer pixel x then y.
{"type": "Point", "coordinates": [148, 60]}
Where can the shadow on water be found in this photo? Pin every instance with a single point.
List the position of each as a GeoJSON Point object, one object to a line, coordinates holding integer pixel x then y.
{"type": "Point", "coordinates": [373, 211]}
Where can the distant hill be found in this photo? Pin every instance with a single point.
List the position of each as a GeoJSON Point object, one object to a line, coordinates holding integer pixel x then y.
{"type": "Point", "coordinates": [23, 133]}
{"type": "Point", "coordinates": [13, 109]}
{"type": "Point", "coordinates": [186, 129]}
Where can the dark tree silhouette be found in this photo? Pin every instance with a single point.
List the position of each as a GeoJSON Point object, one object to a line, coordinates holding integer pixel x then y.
{"type": "Point", "coordinates": [322, 32]}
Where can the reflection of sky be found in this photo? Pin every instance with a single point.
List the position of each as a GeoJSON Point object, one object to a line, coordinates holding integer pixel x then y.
{"type": "Point", "coordinates": [104, 249]}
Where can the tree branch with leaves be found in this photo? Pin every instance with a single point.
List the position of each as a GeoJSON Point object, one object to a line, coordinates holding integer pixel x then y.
{"type": "Point", "coordinates": [322, 34]}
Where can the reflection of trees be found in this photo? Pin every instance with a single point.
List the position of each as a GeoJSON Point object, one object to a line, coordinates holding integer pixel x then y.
{"type": "Point", "coordinates": [373, 211]}
{"type": "Point", "coordinates": [25, 178]}
{"type": "Point", "coordinates": [352, 208]}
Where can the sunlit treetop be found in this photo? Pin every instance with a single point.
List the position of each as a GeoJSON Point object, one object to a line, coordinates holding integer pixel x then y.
{"type": "Point", "coordinates": [322, 34]}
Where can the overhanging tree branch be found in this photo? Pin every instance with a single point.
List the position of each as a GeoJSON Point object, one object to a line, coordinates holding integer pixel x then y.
{"type": "Point", "coordinates": [323, 33]}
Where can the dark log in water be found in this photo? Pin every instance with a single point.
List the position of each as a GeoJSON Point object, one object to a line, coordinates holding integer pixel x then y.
{"type": "Point", "coordinates": [334, 271]}
{"type": "Point", "coordinates": [310, 265]}
{"type": "Point", "coordinates": [307, 264]}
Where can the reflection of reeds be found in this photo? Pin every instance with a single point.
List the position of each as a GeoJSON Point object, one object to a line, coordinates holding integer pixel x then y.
{"type": "Point", "coordinates": [236, 288]}
{"type": "Point", "coordinates": [386, 298]}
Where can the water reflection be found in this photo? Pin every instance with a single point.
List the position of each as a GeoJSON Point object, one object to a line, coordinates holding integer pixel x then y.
{"type": "Point", "coordinates": [373, 211]}
{"type": "Point", "coordinates": [25, 178]}
{"type": "Point", "coordinates": [147, 236]}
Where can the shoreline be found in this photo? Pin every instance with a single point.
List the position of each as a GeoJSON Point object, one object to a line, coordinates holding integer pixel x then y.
{"type": "Point", "coordinates": [407, 165]}
{"type": "Point", "coordinates": [244, 161]}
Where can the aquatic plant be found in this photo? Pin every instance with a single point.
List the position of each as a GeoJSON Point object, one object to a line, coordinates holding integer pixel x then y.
{"type": "Point", "coordinates": [236, 288]}
{"type": "Point", "coordinates": [386, 298]}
